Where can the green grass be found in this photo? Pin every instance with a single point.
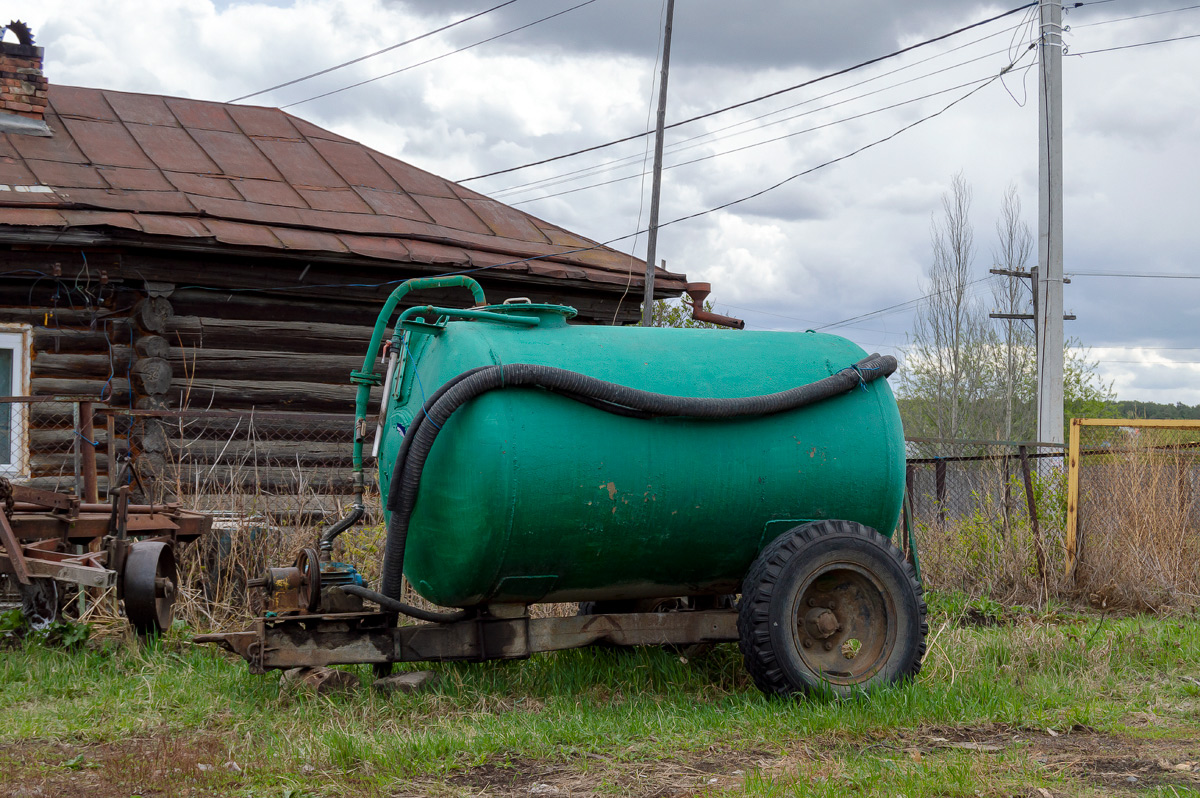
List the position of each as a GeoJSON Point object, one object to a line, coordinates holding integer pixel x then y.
{"type": "Point", "coordinates": [588, 718]}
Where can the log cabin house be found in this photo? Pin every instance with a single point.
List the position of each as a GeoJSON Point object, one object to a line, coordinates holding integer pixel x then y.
{"type": "Point", "coordinates": [168, 254]}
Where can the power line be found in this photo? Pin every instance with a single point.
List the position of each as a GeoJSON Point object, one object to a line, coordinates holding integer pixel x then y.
{"type": "Point", "coordinates": [443, 55]}
{"type": "Point", "coordinates": [372, 55]}
{"type": "Point", "coordinates": [767, 141]}
{"type": "Point", "coordinates": [1163, 362]}
{"type": "Point", "coordinates": [1163, 276]}
{"type": "Point", "coordinates": [623, 162]}
{"type": "Point", "coordinates": [1139, 44]}
{"type": "Point", "coordinates": [839, 159]}
{"type": "Point", "coordinates": [899, 306]}
{"type": "Point", "coordinates": [1136, 16]}
{"type": "Point", "coordinates": [753, 100]}
{"type": "Point", "coordinates": [676, 146]}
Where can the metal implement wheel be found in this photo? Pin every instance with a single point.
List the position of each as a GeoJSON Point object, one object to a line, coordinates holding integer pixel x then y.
{"type": "Point", "coordinates": [149, 586]}
{"type": "Point", "coordinates": [308, 562]}
{"type": "Point", "coordinates": [831, 606]}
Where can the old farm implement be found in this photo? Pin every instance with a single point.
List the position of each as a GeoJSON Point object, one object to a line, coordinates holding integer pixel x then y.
{"type": "Point", "coordinates": [50, 540]}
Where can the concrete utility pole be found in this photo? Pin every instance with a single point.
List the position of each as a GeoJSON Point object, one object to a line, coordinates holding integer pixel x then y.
{"type": "Point", "coordinates": [1049, 304]}
{"type": "Point", "coordinates": [652, 239]}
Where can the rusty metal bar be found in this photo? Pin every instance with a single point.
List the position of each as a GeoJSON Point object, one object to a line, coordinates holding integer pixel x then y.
{"type": "Point", "coordinates": [87, 445]}
{"type": "Point", "coordinates": [68, 571]}
{"type": "Point", "coordinates": [909, 508]}
{"type": "Point", "coordinates": [110, 425]}
{"type": "Point", "coordinates": [15, 557]}
{"type": "Point", "coordinates": [47, 499]}
{"type": "Point", "coordinates": [183, 526]}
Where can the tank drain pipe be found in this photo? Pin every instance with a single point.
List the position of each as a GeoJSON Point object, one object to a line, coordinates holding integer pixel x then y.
{"type": "Point", "coordinates": [357, 509]}
{"type": "Point", "coordinates": [392, 605]}
{"type": "Point", "coordinates": [394, 351]}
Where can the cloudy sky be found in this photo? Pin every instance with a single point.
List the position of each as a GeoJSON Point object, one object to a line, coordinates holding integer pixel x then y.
{"type": "Point", "coordinates": [839, 243]}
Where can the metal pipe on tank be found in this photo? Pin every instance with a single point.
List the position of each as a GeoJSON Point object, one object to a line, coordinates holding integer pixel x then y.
{"type": "Point", "coordinates": [699, 292]}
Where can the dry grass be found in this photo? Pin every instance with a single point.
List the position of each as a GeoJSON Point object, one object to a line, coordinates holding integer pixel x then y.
{"type": "Point", "coordinates": [1139, 530]}
{"type": "Point", "coordinates": [990, 547]}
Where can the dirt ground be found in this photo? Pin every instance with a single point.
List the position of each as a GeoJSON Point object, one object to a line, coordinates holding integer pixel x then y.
{"type": "Point", "coordinates": [174, 767]}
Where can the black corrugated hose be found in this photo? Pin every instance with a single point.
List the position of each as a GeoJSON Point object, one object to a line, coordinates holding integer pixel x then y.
{"type": "Point", "coordinates": [607, 396]}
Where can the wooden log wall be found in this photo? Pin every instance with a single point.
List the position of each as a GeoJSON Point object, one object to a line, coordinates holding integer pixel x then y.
{"type": "Point", "coordinates": [172, 349]}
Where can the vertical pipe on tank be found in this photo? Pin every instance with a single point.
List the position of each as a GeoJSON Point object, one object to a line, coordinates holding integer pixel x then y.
{"type": "Point", "coordinates": [393, 357]}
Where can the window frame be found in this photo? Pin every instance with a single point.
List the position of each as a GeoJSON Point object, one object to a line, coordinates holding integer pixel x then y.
{"type": "Point", "coordinates": [19, 339]}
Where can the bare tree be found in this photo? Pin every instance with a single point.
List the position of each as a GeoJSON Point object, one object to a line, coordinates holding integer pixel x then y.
{"type": "Point", "coordinates": [1017, 372]}
{"type": "Point", "coordinates": [948, 366]}
{"type": "Point", "coordinates": [963, 378]}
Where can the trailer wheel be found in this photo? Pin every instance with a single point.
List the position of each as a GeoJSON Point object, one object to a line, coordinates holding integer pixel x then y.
{"type": "Point", "coordinates": [831, 607]}
{"type": "Point", "coordinates": [149, 586]}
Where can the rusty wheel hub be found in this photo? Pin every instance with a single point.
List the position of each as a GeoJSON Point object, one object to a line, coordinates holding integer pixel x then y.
{"type": "Point", "coordinates": [845, 621]}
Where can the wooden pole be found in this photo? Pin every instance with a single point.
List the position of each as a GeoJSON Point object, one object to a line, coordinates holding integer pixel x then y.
{"type": "Point", "coordinates": [652, 238]}
{"type": "Point", "coordinates": [1072, 532]}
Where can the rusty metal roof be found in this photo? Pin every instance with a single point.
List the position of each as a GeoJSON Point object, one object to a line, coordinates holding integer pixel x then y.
{"type": "Point", "coordinates": [242, 176]}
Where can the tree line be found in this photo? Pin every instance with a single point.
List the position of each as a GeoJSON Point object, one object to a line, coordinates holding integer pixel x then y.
{"type": "Point", "coordinates": [968, 376]}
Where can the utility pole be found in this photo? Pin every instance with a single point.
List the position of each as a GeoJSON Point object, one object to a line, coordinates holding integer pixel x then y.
{"type": "Point", "coordinates": [1032, 276]}
{"type": "Point", "coordinates": [1049, 305]}
{"type": "Point", "coordinates": [652, 238]}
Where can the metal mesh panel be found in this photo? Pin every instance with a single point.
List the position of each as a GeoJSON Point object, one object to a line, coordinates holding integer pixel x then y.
{"type": "Point", "coordinates": [273, 464]}
{"type": "Point", "coordinates": [987, 515]}
{"type": "Point", "coordinates": [1138, 528]}
{"type": "Point", "coordinates": [40, 444]}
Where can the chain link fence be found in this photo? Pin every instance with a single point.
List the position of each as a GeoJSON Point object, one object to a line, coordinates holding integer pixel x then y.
{"type": "Point", "coordinates": [43, 442]}
{"type": "Point", "coordinates": [1136, 534]}
{"type": "Point", "coordinates": [282, 466]}
{"type": "Point", "coordinates": [988, 516]}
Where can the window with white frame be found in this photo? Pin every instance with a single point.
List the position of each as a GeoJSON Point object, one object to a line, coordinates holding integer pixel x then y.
{"type": "Point", "coordinates": [14, 381]}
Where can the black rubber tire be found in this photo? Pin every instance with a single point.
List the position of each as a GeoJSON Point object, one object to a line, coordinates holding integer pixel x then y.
{"type": "Point", "coordinates": [878, 605]}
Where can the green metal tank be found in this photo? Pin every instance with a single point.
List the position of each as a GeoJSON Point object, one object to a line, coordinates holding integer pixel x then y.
{"type": "Point", "coordinates": [528, 496]}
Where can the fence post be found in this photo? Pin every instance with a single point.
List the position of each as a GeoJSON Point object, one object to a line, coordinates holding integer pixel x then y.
{"type": "Point", "coordinates": [1007, 529]}
{"type": "Point", "coordinates": [1071, 541]}
{"type": "Point", "coordinates": [87, 432]}
{"type": "Point", "coordinates": [906, 507]}
{"type": "Point", "coordinates": [1031, 502]}
{"type": "Point", "coordinates": [77, 449]}
{"type": "Point", "coordinates": [939, 479]}
{"type": "Point", "coordinates": [110, 425]}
